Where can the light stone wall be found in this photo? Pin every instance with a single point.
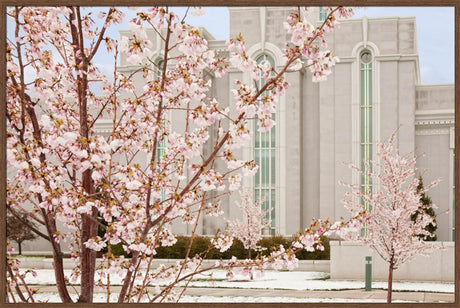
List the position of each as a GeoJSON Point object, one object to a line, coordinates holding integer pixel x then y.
{"type": "Point", "coordinates": [433, 163]}
{"type": "Point", "coordinates": [434, 137]}
{"type": "Point", "coordinates": [293, 160]}
{"type": "Point", "coordinates": [435, 97]}
{"type": "Point", "coordinates": [342, 134]}
{"type": "Point", "coordinates": [332, 105]}
{"type": "Point", "coordinates": [348, 262]}
{"type": "Point", "coordinates": [310, 144]}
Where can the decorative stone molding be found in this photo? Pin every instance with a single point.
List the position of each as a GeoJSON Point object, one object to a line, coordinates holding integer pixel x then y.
{"type": "Point", "coordinates": [432, 131]}
{"type": "Point", "coordinates": [434, 122]}
{"type": "Point", "coordinates": [268, 48]}
{"type": "Point", "coordinates": [104, 126]}
{"type": "Point", "coordinates": [383, 58]}
{"type": "Point", "coordinates": [219, 46]}
{"type": "Point", "coordinates": [440, 117]}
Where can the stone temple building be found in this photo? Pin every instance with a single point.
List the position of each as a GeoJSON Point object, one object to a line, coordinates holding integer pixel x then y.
{"type": "Point", "coordinates": [373, 91]}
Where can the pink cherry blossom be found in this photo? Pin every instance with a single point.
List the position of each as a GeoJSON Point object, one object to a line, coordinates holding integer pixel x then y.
{"type": "Point", "coordinates": [95, 243]}
{"type": "Point", "coordinates": [198, 11]}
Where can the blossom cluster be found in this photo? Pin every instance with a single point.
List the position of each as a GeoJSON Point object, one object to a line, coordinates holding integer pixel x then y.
{"type": "Point", "coordinates": [305, 40]}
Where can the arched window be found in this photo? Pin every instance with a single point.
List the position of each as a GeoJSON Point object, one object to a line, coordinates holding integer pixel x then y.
{"type": "Point", "coordinates": [366, 121]}
{"type": "Point", "coordinates": [265, 158]}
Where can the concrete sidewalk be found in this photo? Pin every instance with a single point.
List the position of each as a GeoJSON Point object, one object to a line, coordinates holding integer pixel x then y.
{"type": "Point", "coordinates": [345, 294]}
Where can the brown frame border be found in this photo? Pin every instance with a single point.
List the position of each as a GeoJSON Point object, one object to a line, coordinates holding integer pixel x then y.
{"type": "Point", "coordinates": [5, 3]}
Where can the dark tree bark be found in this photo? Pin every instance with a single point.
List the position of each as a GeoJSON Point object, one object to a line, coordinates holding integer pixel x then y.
{"type": "Point", "coordinates": [88, 226]}
{"type": "Point", "coordinates": [390, 282]}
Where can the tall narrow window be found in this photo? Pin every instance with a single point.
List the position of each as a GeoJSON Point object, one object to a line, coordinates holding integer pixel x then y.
{"type": "Point", "coordinates": [265, 158]}
{"type": "Point", "coordinates": [161, 144]}
{"type": "Point", "coordinates": [366, 139]}
{"type": "Point", "coordinates": [159, 154]}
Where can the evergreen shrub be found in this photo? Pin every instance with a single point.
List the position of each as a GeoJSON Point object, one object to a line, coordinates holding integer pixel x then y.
{"type": "Point", "coordinates": [201, 243]}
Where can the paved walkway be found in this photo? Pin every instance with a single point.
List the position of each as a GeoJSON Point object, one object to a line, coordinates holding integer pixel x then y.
{"type": "Point", "coordinates": [345, 294]}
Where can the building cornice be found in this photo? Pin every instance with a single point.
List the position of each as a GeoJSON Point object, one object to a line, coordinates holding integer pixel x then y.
{"type": "Point", "coordinates": [402, 18]}
{"type": "Point", "coordinates": [104, 126]}
{"type": "Point", "coordinates": [128, 68]}
{"type": "Point", "coordinates": [383, 58]}
{"type": "Point", "coordinates": [440, 117]}
{"type": "Point", "coordinates": [218, 45]}
{"type": "Point", "coordinates": [436, 86]}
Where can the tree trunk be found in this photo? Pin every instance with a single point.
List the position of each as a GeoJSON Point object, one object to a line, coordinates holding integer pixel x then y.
{"type": "Point", "coordinates": [87, 261]}
{"type": "Point", "coordinates": [88, 227]}
{"type": "Point", "coordinates": [390, 282]}
{"type": "Point", "coordinates": [19, 248]}
{"type": "Point", "coordinates": [250, 272]}
{"type": "Point", "coordinates": [58, 265]}
{"type": "Point", "coordinates": [127, 279]}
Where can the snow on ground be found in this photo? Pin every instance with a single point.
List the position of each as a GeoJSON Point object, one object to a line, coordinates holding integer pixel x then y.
{"type": "Point", "coordinates": [243, 299]}
{"type": "Point", "coordinates": [297, 280]}
{"type": "Point", "coordinates": [283, 280]}
{"type": "Point", "coordinates": [101, 298]}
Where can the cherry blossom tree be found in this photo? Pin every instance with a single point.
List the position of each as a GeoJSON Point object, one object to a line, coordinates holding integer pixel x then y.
{"type": "Point", "coordinates": [397, 197]}
{"type": "Point", "coordinates": [249, 232]}
{"type": "Point", "coordinates": [71, 180]}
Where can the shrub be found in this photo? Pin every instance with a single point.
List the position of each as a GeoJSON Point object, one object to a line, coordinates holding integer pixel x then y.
{"type": "Point", "coordinates": [272, 242]}
{"type": "Point", "coordinates": [237, 249]}
{"type": "Point", "coordinates": [176, 251]}
{"type": "Point", "coordinates": [317, 254]}
{"type": "Point", "coordinates": [201, 243]}
{"type": "Point", "coordinates": [118, 250]}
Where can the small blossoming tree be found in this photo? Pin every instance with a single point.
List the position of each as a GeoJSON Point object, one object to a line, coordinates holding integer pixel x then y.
{"type": "Point", "coordinates": [145, 174]}
{"type": "Point", "coordinates": [249, 232]}
{"type": "Point", "coordinates": [391, 232]}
